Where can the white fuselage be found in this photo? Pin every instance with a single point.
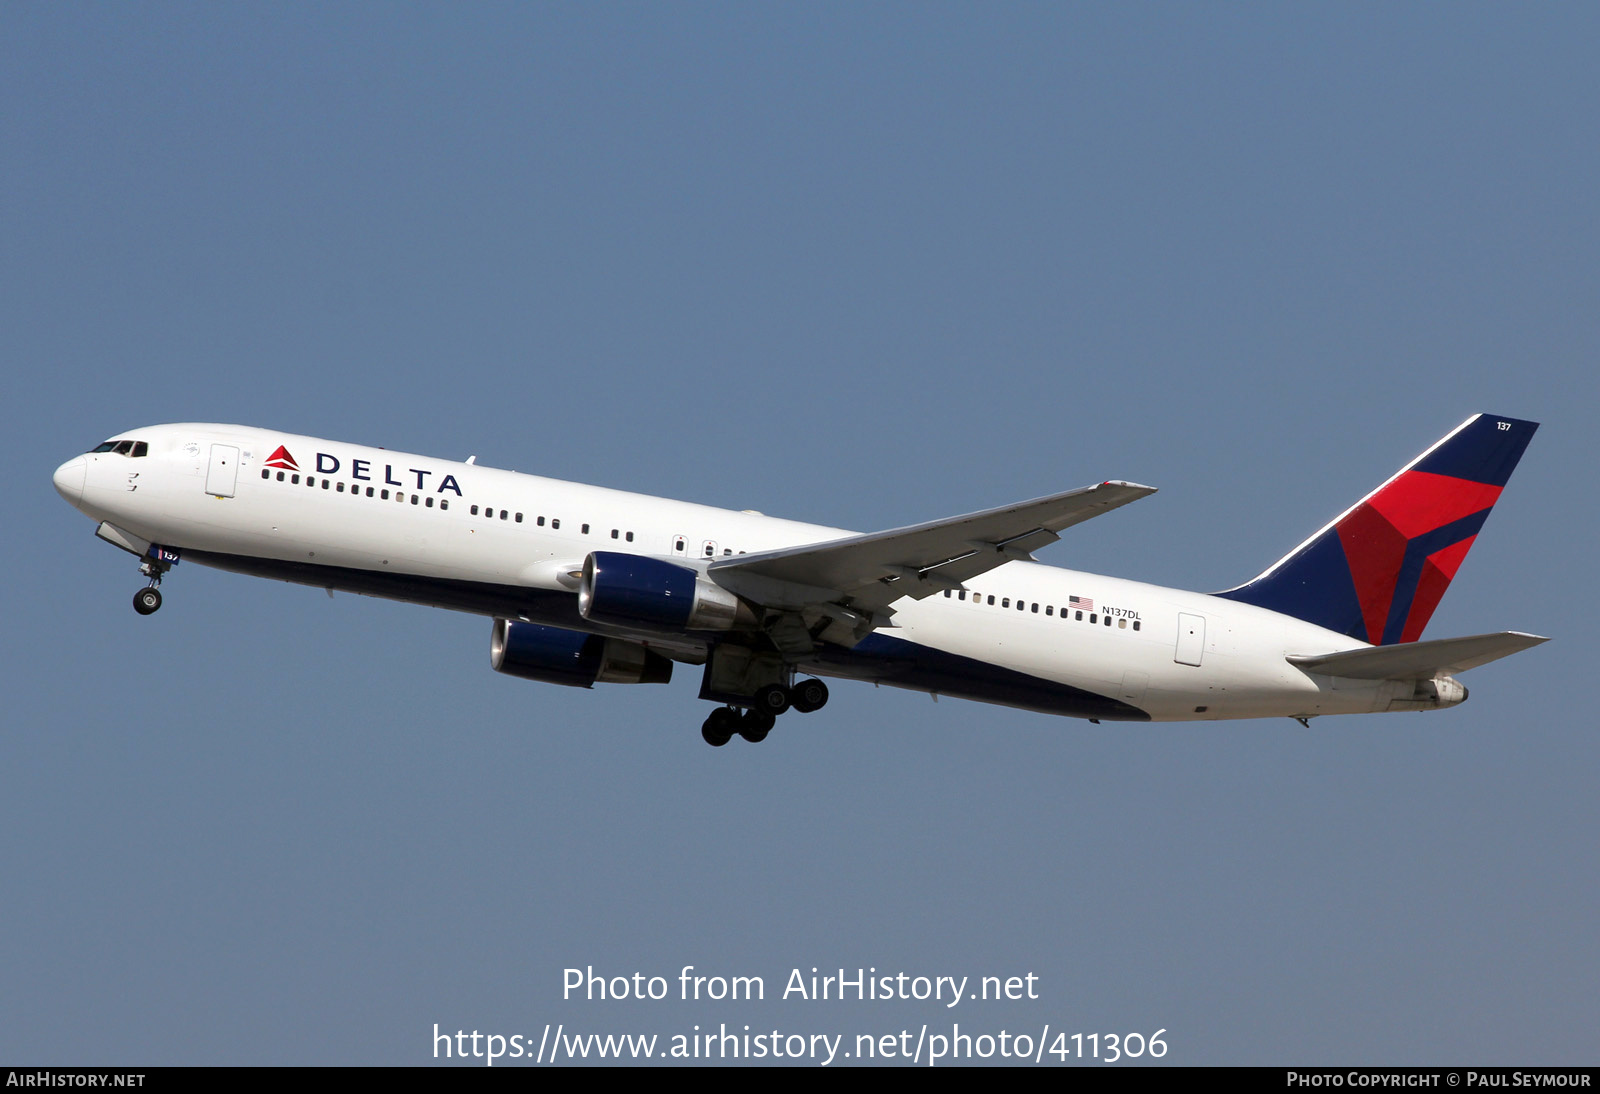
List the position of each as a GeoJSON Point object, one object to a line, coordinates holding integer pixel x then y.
{"type": "Point", "coordinates": [347, 516]}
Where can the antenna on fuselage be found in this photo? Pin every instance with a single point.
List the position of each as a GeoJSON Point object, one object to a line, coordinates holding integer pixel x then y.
{"type": "Point", "coordinates": [472, 459]}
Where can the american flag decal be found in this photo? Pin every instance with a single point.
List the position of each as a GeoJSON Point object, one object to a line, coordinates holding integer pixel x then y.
{"type": "Point", "coordinates": [1084, 602]}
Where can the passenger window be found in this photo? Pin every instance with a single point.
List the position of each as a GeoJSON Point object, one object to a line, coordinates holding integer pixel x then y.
{"type": "Point", "coordinates": [630, 537]}
{"type": "Point", "coordinates": [280, 476]}
{"type": "Point", "coordinates": [444, 503]}
{"type": "Point", "coordinates": [1049, 609]}
{"type": "Point", "coordinates": [519, 518]}
{"type": "Point", "coordinates": [340, 488]}
{"type": "Point", "coordinates": [1122, 624]}
{"type": "Point", "coordinates": [1108, 621]}
{"type": "Point", "coordinates": [991, 600]}
{"type": "Point", "coordinates": [584, 529]}
{"type": "Point", "coordinates": [430, 503]}
{"type": "Point", "coordinates": [1078, 616]}
{"type": "Point", "coordinates": [265, 473]}
{"type": "Point", "coordinates": [324, 484]}
{"type": "Point", "coordinates": [415, 498]}
{"type": "Point", "coordinates": [1135, 624]}
{"type": "Point", "coordinates": [369, 491]}
{"type": "Point", "coordinates": [555, 522]}
{"type": "Point", "coordinates": [1035, 608]}
{"type": "Point", "coordinates": [540, 522]}
{"type": "Point", "coordinates": [294, 480]}
{"type": "Point", "coordinates": [474, 510]}
{"type": "Point", "coordinates": [503, 514]}
{"type": "Point", "coordinates": [614, 533]}
{"type": "Point", "coordinates": [947, 594]}
{"type": "Point", "coordinates": [1004, 603]}
{"type": "Point", "coordinates": [384, 496]}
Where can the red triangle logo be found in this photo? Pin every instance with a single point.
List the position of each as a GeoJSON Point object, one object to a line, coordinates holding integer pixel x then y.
{"type": "Point", "coordinates": [281, 458]}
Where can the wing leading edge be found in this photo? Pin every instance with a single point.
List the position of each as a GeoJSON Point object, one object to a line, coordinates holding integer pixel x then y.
{"type": "Point", "coordinates": [874, 570]}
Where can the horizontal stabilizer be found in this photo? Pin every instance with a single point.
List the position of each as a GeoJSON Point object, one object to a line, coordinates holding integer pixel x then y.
{"type": "Point", "coordinates": [1419, 660]}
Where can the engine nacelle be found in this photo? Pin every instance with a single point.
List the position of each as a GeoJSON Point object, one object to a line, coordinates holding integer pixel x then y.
{"type": "Point", "coordinates": [556, 655]}
{"type": "Point", "coordinates": [635, 591]}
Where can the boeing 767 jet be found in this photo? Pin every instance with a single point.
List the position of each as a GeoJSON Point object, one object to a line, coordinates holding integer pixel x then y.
{"type": "Point", "coordinates": [587, 585]}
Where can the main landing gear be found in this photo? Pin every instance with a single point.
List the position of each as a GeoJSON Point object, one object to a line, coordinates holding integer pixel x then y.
{"type": "Point", "coordinates": [720, 726]}
{"type": "Point", "coordinates": [757, 720]}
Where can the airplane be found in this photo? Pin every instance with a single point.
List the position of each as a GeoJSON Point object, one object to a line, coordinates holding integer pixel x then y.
{"type": "Point", "coordinates": [587, 585]}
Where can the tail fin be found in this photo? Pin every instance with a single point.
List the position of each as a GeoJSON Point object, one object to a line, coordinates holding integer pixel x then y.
{"type": "Point", "coordinates": [1377, 572]}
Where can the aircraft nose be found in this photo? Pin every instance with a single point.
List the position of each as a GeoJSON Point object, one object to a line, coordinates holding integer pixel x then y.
{"type": "Point", "coordinates": [69, 479]}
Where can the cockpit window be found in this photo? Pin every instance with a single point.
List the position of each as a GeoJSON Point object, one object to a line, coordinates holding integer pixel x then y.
{"type": "Point", "coordinates": [124, 448]}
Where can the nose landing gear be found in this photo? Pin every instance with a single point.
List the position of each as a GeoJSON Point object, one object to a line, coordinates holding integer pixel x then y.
{"type": "Point", "coordinates": [156, 562]}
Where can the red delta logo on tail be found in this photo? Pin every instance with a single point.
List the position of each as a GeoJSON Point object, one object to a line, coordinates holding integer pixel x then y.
{"type": "Point", "coordinates": [1379, 570]}
{"type": "Point", "coordinates": [281, 458]}
{"type": "Point", "coordinates": [1418, 508]}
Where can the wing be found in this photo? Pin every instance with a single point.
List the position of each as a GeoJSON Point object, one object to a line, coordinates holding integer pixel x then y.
{"type": "Point", "coordinates": [1419, 660]}
{"type": "Point", "coordinates": [872, 571]}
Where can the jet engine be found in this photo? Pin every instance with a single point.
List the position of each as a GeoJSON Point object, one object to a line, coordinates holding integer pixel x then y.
{"type": "Point", "coordinates": [634, 591]}
{"type": "Point", "coordinates": [556, 655]}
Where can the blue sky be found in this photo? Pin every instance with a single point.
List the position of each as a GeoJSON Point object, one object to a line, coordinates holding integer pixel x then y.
{"type": "Point", "coordinates": [863, 266]}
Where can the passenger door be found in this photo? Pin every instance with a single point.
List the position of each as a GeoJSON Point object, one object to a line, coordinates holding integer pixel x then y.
{"type": "Point", "coordinates": [223, 474]}
{"type": "Point", "coordinates": [1191, 639]}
